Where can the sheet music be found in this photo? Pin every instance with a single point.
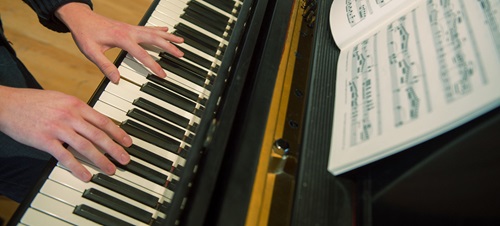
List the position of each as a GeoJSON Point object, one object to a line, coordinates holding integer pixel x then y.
{"type": "Point", "coordinates": [359, 10]}
{"type": "Point", "coordinates": [425, 72]}
{"type": "Point", "coordinates": [352, 18]}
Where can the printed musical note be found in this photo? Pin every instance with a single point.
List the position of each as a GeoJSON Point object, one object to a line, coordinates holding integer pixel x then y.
{"type": "Point", "coordinates": [357, 10]}
{"type": "Point", "coordinates": [492, 18]}
{"type": "Point", "coordinates": [459, 72]}
{"type": "Point", "coordinates": [408, 80]}
{"type": "Point", "coordinates": [363, 93]}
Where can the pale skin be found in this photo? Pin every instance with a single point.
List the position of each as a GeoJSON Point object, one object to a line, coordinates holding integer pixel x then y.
{"type": "Point", "coordinates": [47, 119]}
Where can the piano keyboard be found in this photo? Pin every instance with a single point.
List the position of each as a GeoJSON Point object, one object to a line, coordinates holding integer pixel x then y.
{"type": "Point", "coordinates": [161, 116]}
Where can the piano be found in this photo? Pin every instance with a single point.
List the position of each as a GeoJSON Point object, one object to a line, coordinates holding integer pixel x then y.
{"type": "Point", "coordinates": [239, 134]}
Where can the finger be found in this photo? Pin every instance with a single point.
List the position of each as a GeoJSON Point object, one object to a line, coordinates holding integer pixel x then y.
{"type": "Point", "coordinates": [161, 39]}
{"type": "Point", "coordinates": [104, 133]}
{"type": "Point", "coordinates": [89, 151]}
{"type": "Point", "coordinates": [69, 161]}
{"type": "Point", "coordinates": [163, 29]}
{"type": "Point", "coordinates": [170, 48]}
{"type": "Point", "coordinates": [107, 125]}
{"type": "Point", "coordinates": [106, 67]}
{"type": "Point", "coordinates": [171, 37]}
{"type": "Point", "coordinates": [165, 42]}
{"type": "Point", "coordinates": [142, 56]}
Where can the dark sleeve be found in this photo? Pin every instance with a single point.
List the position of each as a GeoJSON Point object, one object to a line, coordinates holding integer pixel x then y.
{"type": "Point", "coordinates": [45, 9]}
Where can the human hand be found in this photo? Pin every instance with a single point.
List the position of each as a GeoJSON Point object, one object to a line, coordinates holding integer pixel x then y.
{"type": "Point", "coordinates": [94, 34]}
{"type": "Point", "coordinates": [46, 120]}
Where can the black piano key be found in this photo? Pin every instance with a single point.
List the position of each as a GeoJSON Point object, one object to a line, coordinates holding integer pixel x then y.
{"type": "Point", "coordinates": [185, 70]}
{"type": "Point", "coordinates": [164, 207]}
{"type": "Point", "coordinates": [156, 123]}
{"type": "Point", "coordinates": [198, 36]}
{"type": "Point", "coordinates": [172, 66]}
{"type": "Point", "coordinates": [149, 157]}
{"type": "Point", "coordinates": [98, 216]}
{"type": "Point", "coordinates": [158, 221]}
{"type": "Point", "coordinates": [196, 39]}
{"type": "Point", "coordinates": [195, 7]}
{"type": "Point", "coordinates": [180, 90]}
{"type": "Point", "coordinates": [189, 138]}
{"type": "Point", "coordinates": [142, 171]}
{"type": "Point", "coordinates": [172, 185]}
{"type": "Point", "coordinates": [226, 6]}
{"type": "Point", "coordinates": [118, 205]}
{"type": "Point", "coordinates": [169, 97]}
{"type": "Point", "coordinates": [197, 59]}
{"type": "Point", "coordinates": [183, 153]}
{"type": "Point", "coordinates": [125, 189]}
{"type": "Point", "coordinates": [161, 111]}
{"type": "Point", "coordinates": [151, 136]}
{"type": "Point", "coordinates": [177, 171]}
{"type": "Point", "coordinates": [206, 18]}
{"type": "Point", "coordinates": [177, 70]}
{"type": "Point", "coordinates": [222, 50]}
{"type": "Point", "coordinates": [187, 67]}
{"type": "Point", "coordinates": [216, 30]}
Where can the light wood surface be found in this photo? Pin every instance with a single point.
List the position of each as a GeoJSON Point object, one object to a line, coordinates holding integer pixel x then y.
{"type": "Point", "coordinates": [53, 58]}
{"type": "Point", "coordinates": [263, 187]}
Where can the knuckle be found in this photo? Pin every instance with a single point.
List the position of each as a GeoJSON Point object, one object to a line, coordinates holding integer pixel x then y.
{"type": "Point", "coordinates": [62, 155]}
{"type": "Point", "coordinates": [83, 145]}
{"type": "Point", "coordinates": [101, 120]}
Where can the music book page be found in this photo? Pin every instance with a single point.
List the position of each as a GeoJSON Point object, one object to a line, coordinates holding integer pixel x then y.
{"type": "Point", "coordinates": [410, 70]}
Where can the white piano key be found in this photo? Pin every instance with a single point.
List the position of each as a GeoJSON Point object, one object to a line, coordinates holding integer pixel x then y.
{"type": "Point", "coordinates": [74, 198]}
{"type": "Point", "coordinates": [139, 77]}
{"type": "Point", "coordinates": [120, 116]}
{"type": "Point", "coordinates": [60, 210]}
{"type": "Point", "coordinates": [175, 9]}
{"type": "Point", "coordinates": [176, 159]}
{"type": "Point", "coordinates": [155, 168]}
{"type": "Point", "coordinates": [161, 152]}
{"type": "Point", "coordinates": [64, 177]}
{"type": "Point", "coordinates": [124, 106]}
{"type": "Point", "coordinates": [130, 92]}
{"type": "Point", "coordinates": [131, 178]}
{"type": "Point", "coordinates": [34, 217]}
{"type": "Point", "coordinates": [155, 22]}
{"type": "Point", "coordinates": [166, 3]}
{"type": "Point", "coordinates": [156, 56]}
{"type": "Point", "coordinates": [134, 70]}
{"type": "Point", "coordinates": [171, 18]}
{"type": "Point", "coordinates": [131, 64]}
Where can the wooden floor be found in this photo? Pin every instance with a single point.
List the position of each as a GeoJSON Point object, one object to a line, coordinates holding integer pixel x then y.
{"type": "Point", "coordinates": [54, 58]}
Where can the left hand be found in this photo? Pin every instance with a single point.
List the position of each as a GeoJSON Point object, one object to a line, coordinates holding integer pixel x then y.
{"type": "Point", "coordinates": [94, 34]}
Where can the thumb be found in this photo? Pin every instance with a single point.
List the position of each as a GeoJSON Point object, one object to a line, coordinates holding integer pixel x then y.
{"type": "Point", "coordinates": [106, 67]}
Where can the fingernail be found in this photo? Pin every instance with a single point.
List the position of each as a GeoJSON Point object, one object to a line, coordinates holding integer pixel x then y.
{"type": "Point", "coordinates": [127, 140]}
{"type": "Point", "coordinates": [110, 169]}
{"type": "Point", "coordinates": [114, 77]}
{"type": "Point", "coordinates": [86, 176]}
{"type": "Point", "coordinates": [124, 159]}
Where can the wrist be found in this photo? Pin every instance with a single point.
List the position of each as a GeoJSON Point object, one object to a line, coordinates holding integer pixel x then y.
{"type": "Point", "coordinates": [71, 13]}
